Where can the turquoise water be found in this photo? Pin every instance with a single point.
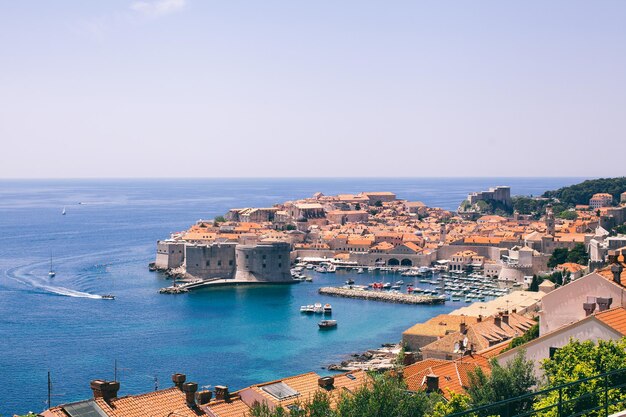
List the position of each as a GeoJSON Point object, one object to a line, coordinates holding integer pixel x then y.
{"type": "Point", "coordinates": [232, 336]}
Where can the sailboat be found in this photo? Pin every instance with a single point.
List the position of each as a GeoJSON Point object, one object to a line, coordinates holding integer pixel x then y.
{"type": "Point", "coordinates": [51, 273]}
{"type": "Point", "coordinates": [63, 212]}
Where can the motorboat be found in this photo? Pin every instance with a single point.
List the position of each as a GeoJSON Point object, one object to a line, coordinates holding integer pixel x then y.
{"type": "Point", "coordinates": [328, 309]}
{"type": "Point", "coordinates": [317, 308]}
{"type": "Point", "coordinates": [331, 268]}
{"type": "Point", "coordinates": [360, 271]}
{"type": "Point", "coordinates": [350, 282]}
{"type": "Point", "coordinates": [108, 297]}
{"type": "Point", "coordinates": [327, 324]}
{"type": "Point", "coordinates": [387, 285]}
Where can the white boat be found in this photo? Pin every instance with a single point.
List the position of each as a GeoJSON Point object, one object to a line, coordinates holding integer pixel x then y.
{"type": "Point", "coordinates": [331, 268]}
{"type": "Point", "coordinates": [327, 324]}
{"type": "Point", "coordinates": [309, 266]}
{"type": "Point", "coordinates": [328, 309]}
{"type": "Point", "coordinates": [317, 308]}
{"type": "Point", "coordinates": [51, 273]}
{"type": "Point", "coordinates": [321, 269]}
{"type": "Point", "coordinates": [387, 285]}
{"type": "Point", "coordinates": [108, 297]}
{"type": "Point", "coordinates": [63, 212]}
{"type": "Point", "coordinates": [360, 271]}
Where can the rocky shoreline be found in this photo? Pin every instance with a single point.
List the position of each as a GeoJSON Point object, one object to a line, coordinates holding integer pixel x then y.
{"type": "Point", "coordinates": [381, 359]}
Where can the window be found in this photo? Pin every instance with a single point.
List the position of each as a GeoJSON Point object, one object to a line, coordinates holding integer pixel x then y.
{"type": "Point", "coordinates": [280, 256]}
{"type": "Point", "coordinates": [264, 256]}
{"type": "Point", "coordinates": [553, 351]}
{"type": "Point", "coordinates": [247, 256]}
{"type": "Point", "coordinates": [263, 265]}
{"type": "Point", "coordinates": [280, 265]}
{"type": "Point", "coordinates": [208, 263]}
{"type": "Point", "coordinates": [219, 263]}
{"type": "Point", "coordinates": [280, 391]}
{"type": "Point", "coordinates": [230, 262]}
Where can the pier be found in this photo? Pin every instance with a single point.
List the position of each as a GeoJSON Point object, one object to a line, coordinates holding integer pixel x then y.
{"type": "Point", "coordinates": [388, 297]}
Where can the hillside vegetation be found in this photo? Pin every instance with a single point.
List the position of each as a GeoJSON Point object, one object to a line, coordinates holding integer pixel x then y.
{"type": "Point", "coordinates": [581, 193]}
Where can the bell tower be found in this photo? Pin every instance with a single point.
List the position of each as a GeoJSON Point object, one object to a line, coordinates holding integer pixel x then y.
{"type": "Point", "coordinates": [549, 220]}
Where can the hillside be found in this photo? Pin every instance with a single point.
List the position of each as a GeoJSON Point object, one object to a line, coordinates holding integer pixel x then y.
{"type": "Point", "coordinates": [581, 193]}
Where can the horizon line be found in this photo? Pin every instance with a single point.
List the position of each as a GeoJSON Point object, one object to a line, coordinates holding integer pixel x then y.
{"type": "Point", "coordinates": [296, 178]}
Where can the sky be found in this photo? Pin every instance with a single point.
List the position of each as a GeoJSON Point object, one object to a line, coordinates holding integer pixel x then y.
{"type": "Point", "coordinates": [203, 88]}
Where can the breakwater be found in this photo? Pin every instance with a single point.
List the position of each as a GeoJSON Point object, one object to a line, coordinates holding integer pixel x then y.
{"type": "Point", "coordinates": [389, 297]}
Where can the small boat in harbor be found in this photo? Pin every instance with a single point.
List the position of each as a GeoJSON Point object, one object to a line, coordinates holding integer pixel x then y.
{"type": "Point", "coordinates": [328, 309]}
{"type": "Point", "coordinates": [331, 269]}
{"type": "Point", "coordinates": [317, 308]}
{"type": "Point", "coordinates": [350, 282]}
{"type": "Point", "coordinates": [327, 324]}
{"type": "Point", "coordinates": [387, 285]}
{"type": "Point", "coordinates": [360, 271]}
{"type": "Point", "coordinates": [108, 297]}
{"type": "Point", "coordinates": [63, 212]}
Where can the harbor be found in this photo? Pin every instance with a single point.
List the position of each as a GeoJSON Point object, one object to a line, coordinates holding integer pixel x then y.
{"type": "Point", "coordinates": [386, 296]}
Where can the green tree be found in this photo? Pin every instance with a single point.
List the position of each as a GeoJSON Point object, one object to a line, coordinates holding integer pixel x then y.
{"type": "Point", "coordinates": [557, 278]}
{"type": "Point", "coordinates": [534, 284]}
{"type": "Point", "coordinates": [568, 215]}
{"type": "Point", "coordinates": [578, 360]}
{"type": "Point", "coordinates": [378, 203]}
{"type": "Point", "coordinates": [357, 207]}
{"type": "Point", "coordinates": [509, 381]}
{"type": "Point", "coordinates": [558, 257]}
{"type": "Point", "coordinates": [220, 219]}
{"type": "Point", "coordinates": [578, 254]}
{"type": "Point", "coordinates": [456, 404]}
{"type": "Point", "coordinates": [386, 396]}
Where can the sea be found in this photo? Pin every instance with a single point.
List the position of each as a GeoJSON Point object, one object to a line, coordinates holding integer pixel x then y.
{"type": "Point", "coordinates": [224, 336]}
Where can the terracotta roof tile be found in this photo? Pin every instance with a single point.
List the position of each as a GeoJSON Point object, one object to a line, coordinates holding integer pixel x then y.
{"type": "Point", "coordinates": [615, 318]}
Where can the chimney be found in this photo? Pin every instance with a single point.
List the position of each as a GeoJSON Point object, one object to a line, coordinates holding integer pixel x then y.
{"type": "Point", "coordinates": [589, 308]}
{"type": "Point", "coordinates": [326, 382]}
{"type": "Point", "coordinates": [463, 328]}
{"type": "Point", "coordinates": [432, 383]}
{"type": "Point", "coordinates": [612, 257]}
{"type": "Point", "coordinates": [514, 310]}
{"type": "Point", "coordinates": [203, 397]}
{"type": "Point", "coordinates": [107, 390]}
{"type": "Point", "coordinates": [505, 318]}
{"type": "Point", "coordinates": [179, 380]}
{"type": "Point", "coordinates": [604, 303]}
{"type": "Point", "coordinates": [497, 320]}
{"type": "Point", "coordinates": [616, 270]}
{"type": "Point", "coordinates": [221, 393]}
{"type": "Point", "coordinates": [190, 388]}
{"type": "Point", "coordinates": [480, 318]}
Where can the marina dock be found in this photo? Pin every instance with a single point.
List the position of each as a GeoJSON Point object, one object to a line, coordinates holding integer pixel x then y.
{"type": "Point", "coordinates": [388, 297]}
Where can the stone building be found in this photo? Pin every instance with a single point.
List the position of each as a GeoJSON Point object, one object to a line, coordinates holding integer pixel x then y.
{"type": "Point", "coordinates": [600, 200]}
{"type": "Point", "coordinates": [501, 194]}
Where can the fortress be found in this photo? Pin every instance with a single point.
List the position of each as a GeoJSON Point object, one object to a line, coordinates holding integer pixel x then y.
{"type": "Point", "coordinates": [255, 263]}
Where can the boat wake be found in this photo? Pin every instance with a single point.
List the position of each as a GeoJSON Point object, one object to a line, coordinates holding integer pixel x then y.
{"type": "Point", "coordinates": [20, 275]}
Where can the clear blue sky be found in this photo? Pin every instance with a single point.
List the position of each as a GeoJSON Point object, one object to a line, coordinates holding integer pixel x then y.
{"type": "Point", "coordinates": [199, 88]}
